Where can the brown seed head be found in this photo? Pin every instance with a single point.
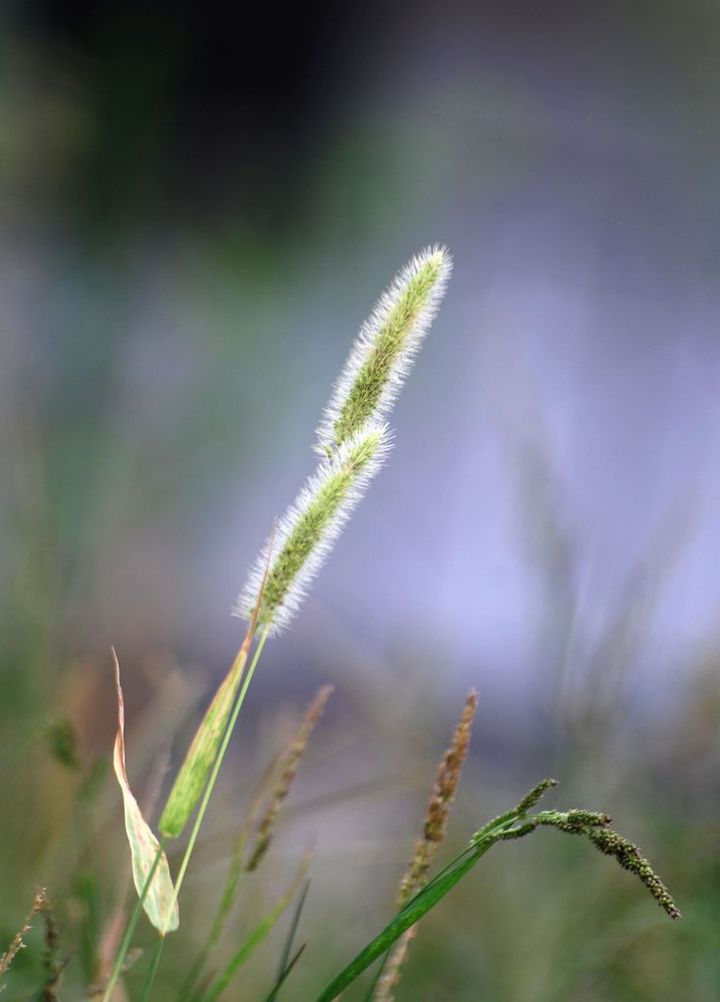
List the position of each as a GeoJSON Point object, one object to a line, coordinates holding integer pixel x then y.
{"type": "Point", "coordinates": [295, 752]}
{"type": "Point", "coordinates": [440, 803]}
{"type": "Point", "coordinates": [18, 941]}
{"type": "Point", "coordinates": [436, 818]}
{"type": "Point", "coordinates": [385, 988]}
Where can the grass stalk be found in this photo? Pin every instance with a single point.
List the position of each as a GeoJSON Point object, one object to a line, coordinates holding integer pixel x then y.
{"type": "Point", "coordinates": [240, 699]}
{"type": "Point", "coordinates": [130, 930]}
{"type": "Point", "coordinates": [152, 969]}
{"type": "Point", "coordinates": [257, 935]}
{"type": "Point", "coordinates": [219, 760]}
{"type": "Point", "coordinates": [408, 916]}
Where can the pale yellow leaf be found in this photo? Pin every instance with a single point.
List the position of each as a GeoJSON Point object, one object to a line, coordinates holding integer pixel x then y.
{"type": "Point", "coordinates": [159, 903]}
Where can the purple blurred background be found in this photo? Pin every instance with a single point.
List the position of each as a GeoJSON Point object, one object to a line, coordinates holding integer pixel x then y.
{"type": "Point", "coordinates": [199, 206]}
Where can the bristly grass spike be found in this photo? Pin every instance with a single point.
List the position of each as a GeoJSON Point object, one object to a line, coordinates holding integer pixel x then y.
{"type": "Point", "coordinates": [384, 350]}
{"type": "Point", "coordinates": [307, 531]}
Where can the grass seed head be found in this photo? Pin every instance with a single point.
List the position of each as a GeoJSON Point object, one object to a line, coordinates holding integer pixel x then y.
{"type": "Point", "coordinates": [611, 843]}
{"type": "Point", "coordinates": [539, 791]}
{"type": "Point", "coordinates": [595, 826]}
{"type": "Point", "coordinates": [291, 762]}
{"type": "Point", "coordinates": [18, 940]}
{"type": "Point", "coordinates": [385, 349]}
{"type": "Point", "coordinates": [306, 533]}
{"type": "Point", "coordinates": [440, 803]}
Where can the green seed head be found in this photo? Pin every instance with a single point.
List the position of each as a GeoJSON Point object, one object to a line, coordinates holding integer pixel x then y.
{"type": "Point", "coordinates": [306, 533]}
{"type": "Point", "coordinates": [385, 349]}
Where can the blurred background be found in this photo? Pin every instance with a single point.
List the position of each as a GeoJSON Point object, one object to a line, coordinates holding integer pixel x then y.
{"type": "Point", "coordinates": [199, 203]}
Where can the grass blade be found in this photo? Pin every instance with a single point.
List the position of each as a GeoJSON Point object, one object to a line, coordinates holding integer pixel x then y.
{"type": "Point", "coordinates": [272, 997]}
{"type": "Point", "coordinates": [149, 862]}
{"type": "Point", "coordinates": [292, 932]}
{"type": "Point", "coordinates": [236, 870]}
{"type": "Point", "coordinates": [422, 903]}
{"type": "Point", "coordinates": [257, 935]}
{"type": "Point", "coordinates": [202, 752]}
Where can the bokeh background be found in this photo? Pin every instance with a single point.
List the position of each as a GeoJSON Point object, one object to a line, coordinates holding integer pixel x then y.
{"type": "Point", "coordinates": [199, 202]}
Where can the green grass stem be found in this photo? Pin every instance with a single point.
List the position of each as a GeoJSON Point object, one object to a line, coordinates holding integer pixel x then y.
{"type": "Point", "coordinates": [130, 930]}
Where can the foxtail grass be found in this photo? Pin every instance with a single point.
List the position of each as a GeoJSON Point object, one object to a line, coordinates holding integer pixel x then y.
{"type": "Point", "coordinates": [385, 349]}
{"type": "Point", "coordinates": [353, 441]}
{"type": "Point", "coordinates": [263, 836]}
{"type": "Point", "coordinates": [290, 560]}
{"type": "Point", "coordinates": [307, 531]}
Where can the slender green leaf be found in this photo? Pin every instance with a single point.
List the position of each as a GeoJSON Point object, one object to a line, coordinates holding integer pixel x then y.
{"type": "Point", "coordinates": [257, 935]}
{"type": "Point", "coordinates": [292, 931]}
{"type": "Point", "coordinates": [285, 974]}
{"type": "Point", "coordinates": [433, 893]}
{"type": "Point", "coordinates": [202, 752]}
{"type": "Point", "coordinates": [205, 748]}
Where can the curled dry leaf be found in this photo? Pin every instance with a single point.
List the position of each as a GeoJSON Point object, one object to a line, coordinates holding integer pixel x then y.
{"type": "Point", "coordinates": [159, 902]}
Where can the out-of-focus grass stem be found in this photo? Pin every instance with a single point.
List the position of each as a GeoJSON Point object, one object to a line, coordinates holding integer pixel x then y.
{"type": "Point", "coordinates": [130, 931]}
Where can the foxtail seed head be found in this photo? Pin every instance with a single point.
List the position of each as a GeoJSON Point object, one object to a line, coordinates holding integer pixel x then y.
{"type": "Point", "coordinates": [305, 534]}
{"type": "Point", "coordinates": [385, 348]}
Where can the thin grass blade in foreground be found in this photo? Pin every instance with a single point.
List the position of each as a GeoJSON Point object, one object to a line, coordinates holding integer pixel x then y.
{"type": "Point", "coordinates": [514, 824]}
{"type": "Point", "coordinates": [287, 971]}
{"type": "Point", "coordinates": [149, 863]}
{"type": "Point", "coordinates": [420, 905]}
{"type": "Point", "coordinates": [258, 934]}
{"type": "Point", "coordinates": [287, 961]}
